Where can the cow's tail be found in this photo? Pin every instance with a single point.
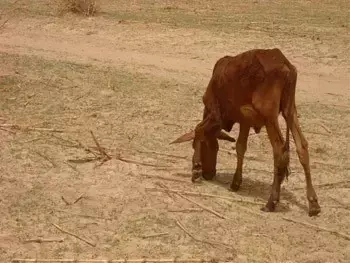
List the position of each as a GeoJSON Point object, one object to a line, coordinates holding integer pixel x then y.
{"type": "Point", "coordinates": [289, 112]}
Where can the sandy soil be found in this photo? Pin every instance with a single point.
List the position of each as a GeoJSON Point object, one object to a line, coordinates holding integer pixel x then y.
{"type": "Point", "coordinates": [134, 76]}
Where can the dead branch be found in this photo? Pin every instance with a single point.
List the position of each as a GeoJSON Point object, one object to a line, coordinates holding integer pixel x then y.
{"type": "Point", "coordinates": [156, 235]}
{"type": "Point", "coordinates": [139, 163]}
{"type": "Point", "coordinates": [163, 154]}
{"type": "Point", "coordinates": [87, 216]}
{"type": "Point", "coordinates": [326, 185]}
{"type": "Point", "coordinates": [74, 235]}
{"type": "Point", "coordinates": [325, 128]}
{"type": "Point", "coordinates": [7, 130]}
{"type": "Point", "coordinates": [23, 128]}
{"type": "Point", "coordinates": [79, 198]}
{"type": "Point", "coordinates": [100, 149]}
{"type": "Point", "coordinates": [332, 231]}
{"type": "Point", "coordinates": [4, 23]}
{"type": "Point", "coordinates": [46, 158]}
{"type": "Point", "coordinates": [167, 190]}
{"type": "Point", "coordinates": [165, 187]}
{"type": "Point", "coordinates": [208, 195]}
{"type": "Point", "coordinates": [65, 201]}
{"type": "Point", "coordinates": [165, 178]}
{"type": "Point", "coordinates": [202, 206]}
{"type": "Point", "coordinates": [187, 210]}
{"type": "Point", "coordinates": [144, 260]}
{"type": "Point", "coordinates": [83, 160]}
{"type": "Point", "coordinates": [71, 166]}
{"type": "Point", "coordinates": [179, 224]}
{"type": "Point", "coordinates": [42, 240]}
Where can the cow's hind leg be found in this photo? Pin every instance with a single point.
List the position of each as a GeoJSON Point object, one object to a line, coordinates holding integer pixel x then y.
{"type": "Point", "coordinates": [280, 164]}
{"type": "Point", "coordinates": [241, 147]}
{"type": "Point", "coordinates": [303, 154]}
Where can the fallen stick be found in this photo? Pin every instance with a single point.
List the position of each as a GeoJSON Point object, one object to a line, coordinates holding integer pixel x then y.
{"type": "Point", "coordinates": [207, 195]}
{"type": "Point", "coordinates": [42, 240]}
{"type": "Point", "coordinates": [74, 235]}
{"type": "Point", "coordinates": [163, 154]}
{"type": "Point", "coordinates": [165, 178]}
{"type": "Point", "coordinates": [335, 232]}
{"type": "Point", "coordinates": [46, 158]}
{"type": "Point", "coordinates": [156, 235]}
{"type": "Point", "coordinates": [65, 201]}
{"type": "Point", "coordinates": [139, 163]}
{"type": "Point", "coordinates": [84, 215]}
{"type": "Point", "coordinates": [100, 149]}
{"type": "Point", "coordinates": [324, 185]}
{"type": "Point", "coordinates": [188, 210]}
{"type": "Point", "coordinates": [325, 128]}
{"type": "Point", "coordinates": [4, 23]}
{"type": "Point", "coordinates": [202, 206]}
{"type": "Point", "coordinates": [143, 260]}
{"type": "Point", "coordinates": [17, 127]}
{"type": "Point", "coordinates": [202, 240]}
{"type": "Point", "coordinates": [6, 130]}
{"type": "Point", "coordinates": [79, 198]}
{"type": "Point", "coordinates": [83, 160]}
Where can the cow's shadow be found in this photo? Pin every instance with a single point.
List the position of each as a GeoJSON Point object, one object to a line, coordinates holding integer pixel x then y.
{"type": "Point", "coordinates": [256, 189]}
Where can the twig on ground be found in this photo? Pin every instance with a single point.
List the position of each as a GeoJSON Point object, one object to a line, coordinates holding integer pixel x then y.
{"type": "Point", "coordinates": [4, 23]}
{"type": "Point", "coordinates": [79, 198]}
{"type": "Point", "coordinates": [74, 235]}
{"type": "Point", "coordinates": [335, 232]}
{"type": "Point", "coordinates": [139, 163]}
{"type": "Point", "coordinates": [165, 187]}
{"type": "Point", "coordinates": [143, 260]}
{"type": "Point", "coordinates": [165, 178]}
{"type": "Point", "coordinates": [7, 130]}
{"type": "Point", "coordinates": [172, 124]}
{"type": "Point", "coordinates": [87, 216]}
{"type": "Point", "coordinates": [325, 128]}
{"type": "Point", "coordinates": [186, 210]}
{"type": "Point", "coordinates": [325, 185]}
{"type": "Point", "coordinates": [208, 195]}
{"type": "Point", "coordinates": [72, 166]}
{"type": "Point", "coordinates": [163, 154]}
{"type": "Point", "coordinates": [203, 206]}
{"type": "Point", "coordinates": [156, 235]}
{"type": "Point", "coordinates": [100, 149]}
{"type": "Point", "coordinates": [46, 158]}
{"type": "Point", "coordinates": [83, 160]}
{"type": "Point", "coordinates": [23, 128]}
{"type": "Point", "coordinates": [42, 240]}
{"type": "Point", "coordinates": [179, 224]}
{"type": "Point", "coordinates": [65, 201]}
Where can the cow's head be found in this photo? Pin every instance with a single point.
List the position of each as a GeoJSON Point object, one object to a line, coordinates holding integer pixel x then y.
{"type": "Point", "coordinates": [205, 152]}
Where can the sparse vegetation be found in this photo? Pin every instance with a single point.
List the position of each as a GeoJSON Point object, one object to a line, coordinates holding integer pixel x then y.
{"type": "Point", "coordinates": [84, 7]}
{"type": "Point", "coordinates": [134, 75]}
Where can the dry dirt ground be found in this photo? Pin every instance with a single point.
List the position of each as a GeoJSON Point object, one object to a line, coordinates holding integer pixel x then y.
{"type": "Point", "coordinates": [134, 76]}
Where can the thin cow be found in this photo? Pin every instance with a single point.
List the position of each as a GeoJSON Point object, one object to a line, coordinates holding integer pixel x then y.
{"type": "Point", "coordinates": [252, 89]}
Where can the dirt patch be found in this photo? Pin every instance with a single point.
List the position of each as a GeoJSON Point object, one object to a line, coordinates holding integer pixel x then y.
{"type": "Point", "coordinates": [134, 75]}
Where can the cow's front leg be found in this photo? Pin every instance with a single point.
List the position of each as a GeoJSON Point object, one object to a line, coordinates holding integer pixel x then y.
{"type": "Point", "coordinates": [241, 147]}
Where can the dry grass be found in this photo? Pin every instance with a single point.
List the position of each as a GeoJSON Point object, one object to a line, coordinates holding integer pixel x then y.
{"type": "Point", "coordinates": [84, 7]}
{"type": "Point", "coordinates": [138, 85]}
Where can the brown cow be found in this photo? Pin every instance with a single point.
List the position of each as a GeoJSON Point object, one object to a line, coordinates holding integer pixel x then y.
{"type": "Point", "coordinates": [252, 89]}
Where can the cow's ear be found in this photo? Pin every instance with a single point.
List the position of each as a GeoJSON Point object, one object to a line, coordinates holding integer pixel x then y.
{"type": "Point", "coordinates": [224, 136]}
{"type": "Point", "coordinates": [184, 138]}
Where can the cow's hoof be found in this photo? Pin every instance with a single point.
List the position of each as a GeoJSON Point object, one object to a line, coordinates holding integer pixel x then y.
{"type": "Point", "coordinates": [235, 186]}
{"type": "Point", "coordinates": [208, 175]}
{"type": "Point", "coordinates": [270, 206]}
{"type": "Point", "coordinates": [314, 208]}
{"type": "Point", "coordinates": [195, 175]}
